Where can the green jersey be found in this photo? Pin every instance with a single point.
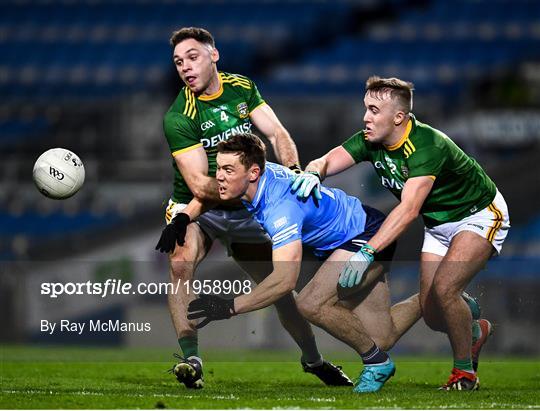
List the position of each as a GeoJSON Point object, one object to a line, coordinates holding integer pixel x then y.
{"type": "Point", "coordinates": [203, 121]}
{"type": "Point", "coordinates": [461, 187]}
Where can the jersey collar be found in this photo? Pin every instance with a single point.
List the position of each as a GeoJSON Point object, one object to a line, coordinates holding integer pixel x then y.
{"type": "Point", "coordinates": [258, 195]}
{"type": "Point", "coordinates": [404, 137]}
{"type": "Point", "coordinates": [204, 97]}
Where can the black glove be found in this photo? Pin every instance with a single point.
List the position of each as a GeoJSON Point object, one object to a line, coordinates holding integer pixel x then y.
{"type": "Point", "coordinates": [212, 307]}
{"type": "Point", "coordinates": [174, 232]}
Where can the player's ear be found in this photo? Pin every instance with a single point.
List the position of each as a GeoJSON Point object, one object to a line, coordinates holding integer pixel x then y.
{"type": "Point", "coordinates": [214, 55]}
{"type": "Point", "coordinates": [254, 173]}
{"type": "Point", "coordinates": [399, 118]}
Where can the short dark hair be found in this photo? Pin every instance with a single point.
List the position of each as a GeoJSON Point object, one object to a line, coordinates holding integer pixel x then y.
{"type": "Point", "coordinates": [399, 89]}
{"type": "Point", "coordinates": [197, 33]}
{"type": "Point", "coordinates": [249, 147]}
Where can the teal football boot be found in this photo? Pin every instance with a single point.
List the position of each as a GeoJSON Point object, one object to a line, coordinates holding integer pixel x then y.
{"type": "Point", "coordinates": [373, 377]}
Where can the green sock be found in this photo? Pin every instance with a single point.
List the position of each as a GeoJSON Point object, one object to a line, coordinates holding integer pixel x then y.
{"type": "Point", "coordinates": [464, 365]}
{"type": "Point", "coordinates": [476, 331]}
{"type": "Point", "coordinates": [189, 346]}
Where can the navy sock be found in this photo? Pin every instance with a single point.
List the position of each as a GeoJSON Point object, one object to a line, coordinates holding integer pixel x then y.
{"type": "Point", "coordinates": [374, 356]}
{"type": "Point", "coordinates": [310, 352]}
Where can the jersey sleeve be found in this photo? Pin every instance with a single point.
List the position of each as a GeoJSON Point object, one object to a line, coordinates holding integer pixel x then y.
{"type": "Point", "coordinates": [426, 161]}
{"type": "Point", "coordinates": [356, 147]}
{"type": "Point", "coordinates": [284, 223]}
{"type": "Point", "coordinates": [254, 98]}
{"type": "Point", "coordinates": [181, 133]}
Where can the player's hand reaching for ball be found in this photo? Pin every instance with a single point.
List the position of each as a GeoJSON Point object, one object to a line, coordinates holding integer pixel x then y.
{"type": "Point", "coordinates": [211, 308]}
{"type": "Point", "coordinates": [173, 233]}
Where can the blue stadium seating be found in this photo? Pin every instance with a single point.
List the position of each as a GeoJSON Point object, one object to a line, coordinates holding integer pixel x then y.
{"type": "Point", "coordinates": [92, 50]}
{"type": "Point", "coordinates": [76, 38]}
{"type": "Point", "coordinates": [38, 229]}
{"type": "Point", "coordinates": [437, 48]}
{"type": "Point", "coordinates": [95, 50]}
{"type": "Point", "coordinates": [11, 130]}
{"type": "Point", "coordinates": [38, 226]}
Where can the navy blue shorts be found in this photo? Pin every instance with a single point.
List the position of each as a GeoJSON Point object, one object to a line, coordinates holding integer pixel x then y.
{"type": "Point", "coordinates": [374, 220]}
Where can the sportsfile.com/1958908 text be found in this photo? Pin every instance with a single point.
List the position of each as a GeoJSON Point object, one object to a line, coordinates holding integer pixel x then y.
{"type": "Point", "coordinates": [112, 287]}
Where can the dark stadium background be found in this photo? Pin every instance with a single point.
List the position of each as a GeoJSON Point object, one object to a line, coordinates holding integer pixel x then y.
{"type": "Point", "coordinates": [96, 77]}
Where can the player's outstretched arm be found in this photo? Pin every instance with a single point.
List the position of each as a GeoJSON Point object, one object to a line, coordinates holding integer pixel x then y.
{"type": "Point", "coordinates": [281, 281]}
{"type": "Point", "coordinates": [264, 118]}
{"type": "Point", "coordinates": [415, 192]}
{"type": "Point", "coordinates": [193, 165]}
{"type": "Point", "coordinates": [413, 196]}
{"type": "Point", "coordinates": [333, 162]}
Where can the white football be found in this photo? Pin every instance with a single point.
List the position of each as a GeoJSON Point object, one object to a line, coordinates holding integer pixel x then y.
{"type": "Point", "coordinates": [58, 173]}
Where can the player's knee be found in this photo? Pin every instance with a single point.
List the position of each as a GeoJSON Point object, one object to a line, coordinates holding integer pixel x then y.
{"type": "Point", "coordinates": [182, 266]}
{"type": "Point", "coordinates": [308, 307]}
{"type": "Point", "coordinates": [180, 254]}
{"type": "Point", "coordinates": [445, 292]}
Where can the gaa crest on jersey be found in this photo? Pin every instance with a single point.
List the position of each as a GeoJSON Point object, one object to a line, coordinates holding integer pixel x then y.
{"type": "Point", "coordinates": [404, 171]}
{"type": "Point", "coordinates": [242, 109]}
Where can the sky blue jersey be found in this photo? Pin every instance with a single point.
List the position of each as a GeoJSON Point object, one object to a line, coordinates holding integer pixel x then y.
{"type": "Point", "coordinates": [323, 225]}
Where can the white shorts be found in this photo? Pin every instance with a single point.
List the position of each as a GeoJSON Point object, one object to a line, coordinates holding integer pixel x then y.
{"type": "Point", "coordinates": [229, 226]}
{"type": "Point", "coordinates": [491, 223]}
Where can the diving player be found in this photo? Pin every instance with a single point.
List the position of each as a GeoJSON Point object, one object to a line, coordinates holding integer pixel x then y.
{"type": "Point", "coordinates": [210, 108]}
{"type": "Point", "coordinates": [336, 226]}
{"type": "Point", "coordinates": [465, 216]}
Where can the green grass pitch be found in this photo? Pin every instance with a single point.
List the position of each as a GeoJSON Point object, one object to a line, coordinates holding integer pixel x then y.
{"type": "Point", "coordinates": [132, 378]}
